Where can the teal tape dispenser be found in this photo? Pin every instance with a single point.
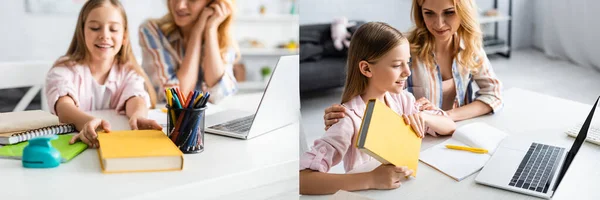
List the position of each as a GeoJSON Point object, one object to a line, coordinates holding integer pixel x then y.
{"type": "Point", "coordinates": [40, 153]}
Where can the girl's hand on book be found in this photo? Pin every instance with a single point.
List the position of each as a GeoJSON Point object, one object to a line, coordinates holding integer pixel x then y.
{"type": "Point", "coordinates": [142, 123]}
{"type": "Point", "coordinates": [333, 114]}
{"type": "Point", "coordinates": [88, 133]}
{"type": "Point", "coordinates": [416, 122]}
{"type": "Point", "coordinates": [388, 176]}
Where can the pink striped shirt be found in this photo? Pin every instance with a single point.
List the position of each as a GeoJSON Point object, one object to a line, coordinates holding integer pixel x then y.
{"type": "Point", "coordinates": [77, 82]}
{"type": "Point", "coordinates": [338, 143]}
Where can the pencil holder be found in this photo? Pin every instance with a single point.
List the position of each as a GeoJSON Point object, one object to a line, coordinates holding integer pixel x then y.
{"type": "Point", "coordinates": [185, 127]}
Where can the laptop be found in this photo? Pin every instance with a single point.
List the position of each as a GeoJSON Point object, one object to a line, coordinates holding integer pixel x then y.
{"type": "Point", "coordinates": [531, 168]}
{"type": "Point", "coordinates": [279, 106]}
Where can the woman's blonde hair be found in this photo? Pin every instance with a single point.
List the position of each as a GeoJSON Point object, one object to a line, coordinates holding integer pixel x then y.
{"type": "Point", "coordinates": [422, 41]}
{"type": "Point", "coordinates": [370, 42]}
{"type": "Point", "coordinates": [167, 26]}
{"type": "Point", "coordinates": [78, 52]}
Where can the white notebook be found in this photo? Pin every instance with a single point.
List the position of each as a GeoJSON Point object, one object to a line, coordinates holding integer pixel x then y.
{"type": "Point", "coordinates": [21, 126]}
{"type": "Point", "coordinates": [460, 164]}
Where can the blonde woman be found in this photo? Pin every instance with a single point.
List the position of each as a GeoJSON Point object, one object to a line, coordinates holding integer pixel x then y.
{"type": "Point", "coordinates": [447, 56]}
{"type": "Point", "coordinates": [191, 47]}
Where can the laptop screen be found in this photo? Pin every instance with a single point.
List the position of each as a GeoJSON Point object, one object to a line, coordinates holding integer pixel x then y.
{"type": "Point", "coordinates": [577, 144]}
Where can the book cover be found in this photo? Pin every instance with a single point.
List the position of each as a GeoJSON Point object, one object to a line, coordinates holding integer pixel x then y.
{"type": "Point", "coordinates": [384, 135]}
{"type": "Point", "coordinates": [138, 151]}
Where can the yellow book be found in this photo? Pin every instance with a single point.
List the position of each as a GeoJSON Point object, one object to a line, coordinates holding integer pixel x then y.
{"type": "Point", "coordinates": [384, 135]}
{"type": "Point", "coordinates": [138, 151]}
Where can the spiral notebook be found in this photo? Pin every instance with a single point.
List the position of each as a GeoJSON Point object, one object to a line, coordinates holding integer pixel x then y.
{"type": "Point", "coordinates": [21, 126]}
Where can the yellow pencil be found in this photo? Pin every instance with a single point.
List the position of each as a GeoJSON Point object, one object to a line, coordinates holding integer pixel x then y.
{"type": "Point", "coordinates": [170, 102]}
{"type": "Point", "coordinates": [169, 98]}
{"type": "Point", "coordinates": [198, 98]}
{"type": "Point", "coordinates": [471, 149]}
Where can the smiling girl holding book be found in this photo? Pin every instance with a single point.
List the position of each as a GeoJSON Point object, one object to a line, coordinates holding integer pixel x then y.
{"type": "Point", "coordinates": [377, 65]}
{"type": "Point", "coordinates": [99, 72]}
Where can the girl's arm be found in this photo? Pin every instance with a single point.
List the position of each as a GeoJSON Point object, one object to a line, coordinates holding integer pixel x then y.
{"type": "Point", "coordinates": [86, 124]}
{"type": "Point", "coordinates": [137, 111]}
{"type": "Point", "coordinates": [314, 182]}
{"type": "Point", "coordinates": [382, 177]}
{"type": "Point", "coordinates": [69, 113]}
{"type": "Point", "coordinates": [440, 124]}
{"type": "Point", "coordinates": [136, 107]}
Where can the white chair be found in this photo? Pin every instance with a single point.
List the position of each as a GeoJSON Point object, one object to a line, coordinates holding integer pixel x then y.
{"type": "Point", "coordinates": [25, 74]}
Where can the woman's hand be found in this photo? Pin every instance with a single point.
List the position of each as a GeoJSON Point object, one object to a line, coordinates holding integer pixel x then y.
{"type": "Point", "coordinates": [142, 123]}
{"type": "Point", "coordinates": [417, 123]}
{"type": "Point", "coordinates": [222, 10]}
{"type": "Point", "coordinates": [88, 133]}
{"type": "Point", "coordinates": [333, 114]}
{"type": "Point", "coordinates": [388, 176]}
{"type": "Point", "coordinates": [424, 104]}
{"type": "Point", "coordinates": [203, 19]}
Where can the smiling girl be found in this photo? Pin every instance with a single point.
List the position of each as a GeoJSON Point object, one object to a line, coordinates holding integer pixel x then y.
{"type": "Point", "coordinates": [99, 72]}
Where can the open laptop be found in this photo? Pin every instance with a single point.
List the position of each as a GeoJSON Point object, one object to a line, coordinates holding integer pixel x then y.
{"type": "Point", "coordinates": [279, 106]}
{"type": "Point", "coordinates": [529, 167]}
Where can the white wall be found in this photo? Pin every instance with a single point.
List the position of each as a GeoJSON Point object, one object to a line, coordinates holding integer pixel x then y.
{"type": "Point", "coordinates": [27, 36]}
{"type": "Point", "coordinates": [397, 14]}
{"type": "Point", "coordinates": [394, 12]}
{"type": "Point", "coordinates": [568, 30]}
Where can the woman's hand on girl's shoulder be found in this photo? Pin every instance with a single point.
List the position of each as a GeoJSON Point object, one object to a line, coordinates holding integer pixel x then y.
{"type": "Point", "coordinates": [88, 133]}
{"type": "Point", "coordinates": [388, 176]}
{"type": "Point", "coordinates": [333, 114]}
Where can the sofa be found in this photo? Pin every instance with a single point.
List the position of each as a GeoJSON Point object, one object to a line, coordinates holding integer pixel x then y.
{"type": "Point", "coordinates": [321, 65]}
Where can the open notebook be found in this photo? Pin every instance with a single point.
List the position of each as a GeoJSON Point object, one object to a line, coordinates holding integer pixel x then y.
{"type": "Point", "coordinates": [460, 164]}
{"type": "Point", "coordinates": [21, 126]}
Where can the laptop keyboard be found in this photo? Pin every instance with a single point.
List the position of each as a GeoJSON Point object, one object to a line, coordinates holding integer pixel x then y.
{"type": "Point", "coordinates": [537, 168]}
{"type": "Point", "coordinates": [239, 126]}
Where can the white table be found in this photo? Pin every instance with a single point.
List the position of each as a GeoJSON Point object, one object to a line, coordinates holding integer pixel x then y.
{"type": "Point", "coordinates": [259, 168]}
{"type": "Point", "coordinates": [526, 115]}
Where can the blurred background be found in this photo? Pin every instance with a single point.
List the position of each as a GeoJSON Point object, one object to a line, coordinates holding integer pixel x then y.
{"type": "Point", "coordinates": [547, 46]}
{"type": "Point", "coordinates": [37, 32]}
